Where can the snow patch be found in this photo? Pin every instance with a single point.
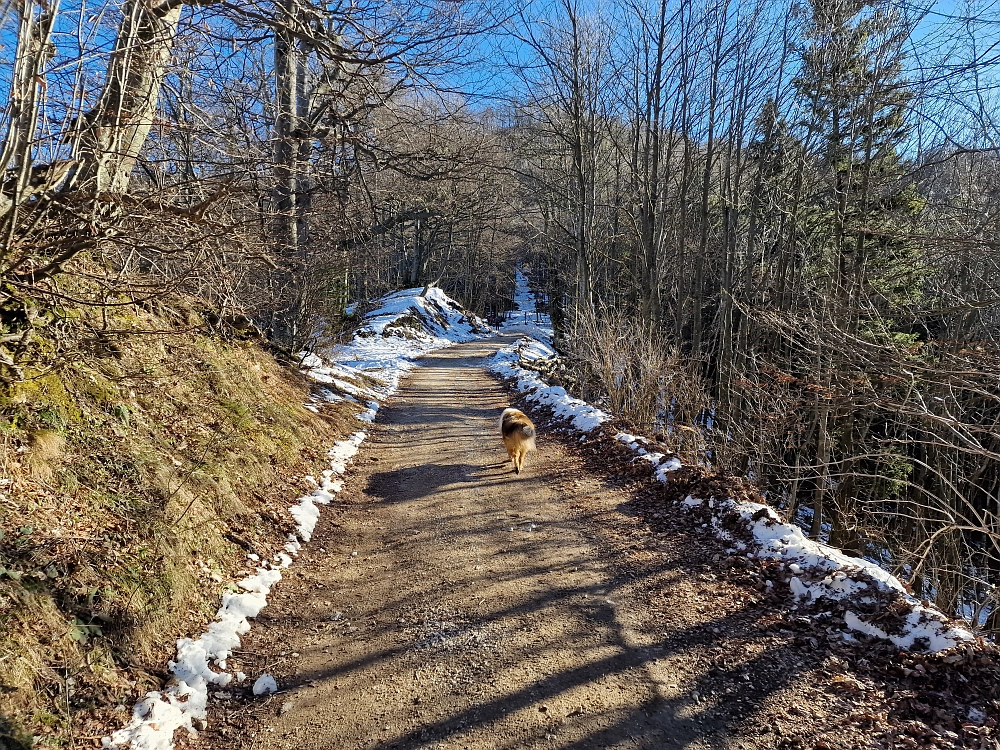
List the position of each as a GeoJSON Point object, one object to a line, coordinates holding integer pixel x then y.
{"type": "Point", "coordinates": [265, 685]}
{"type": "Point", "coordinates": [160, 713]}
{"type": "Point", "coordinates": [306, 512]}
{"type": "Point", "coordinates": [671, 464]}
{"type": "Point", "coordinates": [922, 624]}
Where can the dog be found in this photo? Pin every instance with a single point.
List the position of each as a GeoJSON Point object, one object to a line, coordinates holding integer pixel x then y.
{"type": "Point", "coordinates": [518, 436]}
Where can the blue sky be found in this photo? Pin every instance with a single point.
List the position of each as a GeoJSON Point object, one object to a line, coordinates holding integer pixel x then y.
{"type": "Point", "coordinates": [485, 78]}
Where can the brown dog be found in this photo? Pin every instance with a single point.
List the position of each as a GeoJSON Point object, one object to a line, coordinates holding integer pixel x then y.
{"type": "Point", "coordinates": [518, 436]}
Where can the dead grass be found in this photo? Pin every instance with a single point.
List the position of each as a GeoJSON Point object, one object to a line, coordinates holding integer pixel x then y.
{"type": "Point", "coordinates": [45, 449]}
{"type": "Point", "coordinates": [134, 480]}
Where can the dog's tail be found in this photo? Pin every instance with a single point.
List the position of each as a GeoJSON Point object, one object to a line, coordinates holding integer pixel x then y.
{"type": "Point", "coordinates": [515, 426]}
{"type": "Point", "coordinates": [526, 433]}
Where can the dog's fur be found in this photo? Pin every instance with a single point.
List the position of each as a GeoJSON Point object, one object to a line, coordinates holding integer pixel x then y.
{"type": "Point", "coordinates": [518, 436]}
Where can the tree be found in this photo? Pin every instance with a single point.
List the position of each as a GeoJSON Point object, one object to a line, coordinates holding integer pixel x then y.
{"type": "Point", "coordinates": [564, 83]}
{"type": "Point", "coordinates": [854, 100]}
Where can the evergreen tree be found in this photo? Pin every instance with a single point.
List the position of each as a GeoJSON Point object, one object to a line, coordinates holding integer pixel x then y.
{"type": "Point", "coordinates": [854, 100]}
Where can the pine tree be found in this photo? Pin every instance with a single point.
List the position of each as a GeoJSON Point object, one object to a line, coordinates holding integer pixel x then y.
{"type": "Point", "coordinates": [854, 98]}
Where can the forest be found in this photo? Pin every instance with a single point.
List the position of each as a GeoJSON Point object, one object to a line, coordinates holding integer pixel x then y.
{"type": "Point", "coordinates": [762, 228]}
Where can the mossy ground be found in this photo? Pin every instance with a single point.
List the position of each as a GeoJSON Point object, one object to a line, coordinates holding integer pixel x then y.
{"type": "Point", "coordinates": [135, 477]}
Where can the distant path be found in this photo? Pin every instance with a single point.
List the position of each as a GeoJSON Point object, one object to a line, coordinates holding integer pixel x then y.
{"type": "Point", "coordinates": [585, 631]}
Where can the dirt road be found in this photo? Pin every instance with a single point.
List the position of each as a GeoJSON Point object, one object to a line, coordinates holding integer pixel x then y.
{"type": "Point", "coordinates": [446, 602]}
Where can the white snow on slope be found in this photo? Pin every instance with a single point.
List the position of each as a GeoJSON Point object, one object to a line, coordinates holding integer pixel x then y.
{"type": "Point", "coordinates": [381, 350]}
{"type": "Point", "coordinates": [824, 572]}
{"type": "Point", "coordinates": [403, 327]}
{"type": "Point", "coordinates": [506, 363]}
{"type": "Point", "coordinates": [821, 572]}
{"type": "Point", "coordinates": [306, 513]}
{"type": "Point", "coordinates": [527, 319]}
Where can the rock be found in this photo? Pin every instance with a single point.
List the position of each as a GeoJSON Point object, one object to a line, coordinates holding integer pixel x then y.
{"type": "Point", "coordinates": [847, 684]}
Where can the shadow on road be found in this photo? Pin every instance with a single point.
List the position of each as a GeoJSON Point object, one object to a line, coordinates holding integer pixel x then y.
{"type": "Point", "coordinates": [526, 603]}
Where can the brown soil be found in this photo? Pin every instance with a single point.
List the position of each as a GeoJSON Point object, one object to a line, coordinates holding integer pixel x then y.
{"type": "Point", "coordinates": [446, 602]}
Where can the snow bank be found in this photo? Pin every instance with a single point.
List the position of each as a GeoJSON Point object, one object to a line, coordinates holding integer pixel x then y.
{"type": "Point", "coordinates": [819, 571]}
{"type": "Point", "coordinates": [507, 363]}
{"type": "Point", "coordinates": [160, 713]}
{"type": "Point", "coordinates": [527, 319]}
{"type": "Point", "coordinates": [403, 327]}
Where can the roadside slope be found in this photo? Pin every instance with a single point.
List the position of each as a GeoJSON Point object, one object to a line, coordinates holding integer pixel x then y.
{"type": "Point", "coordinates": [135, 478]}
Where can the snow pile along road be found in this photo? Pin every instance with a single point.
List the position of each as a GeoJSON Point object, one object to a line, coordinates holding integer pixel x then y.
{"type": "Point", "coordinates": [821, 575]}
{"type": "Point", "coordinates": [201, 662]}
{"type": "Point", "coordinates": [507, 363]}
{"type": "Point", "coordinates": [404, 326]}
{"type": "Point", "coordinates": [818, 573]}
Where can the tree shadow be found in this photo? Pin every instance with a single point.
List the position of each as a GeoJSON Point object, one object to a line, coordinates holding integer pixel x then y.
{"type": "Point", "coordinates": [716, 707]}
{"type": "Point", "coordinates": [414, 482]}
{"type": "Point", "coordinates": [698, 716]}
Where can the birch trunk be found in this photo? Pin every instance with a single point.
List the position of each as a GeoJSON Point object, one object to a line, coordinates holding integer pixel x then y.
{"type": "Point", "coordinates": [26, 91]}
{"type": "Point", "coordinates": [112, 134]}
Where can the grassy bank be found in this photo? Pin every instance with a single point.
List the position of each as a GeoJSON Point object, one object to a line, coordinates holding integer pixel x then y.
{"type": "Point", "coordinates": [135, 477]}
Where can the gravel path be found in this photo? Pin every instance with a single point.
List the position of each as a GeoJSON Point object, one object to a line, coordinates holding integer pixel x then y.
{"type": "Point", "coordinates": [488, 610]}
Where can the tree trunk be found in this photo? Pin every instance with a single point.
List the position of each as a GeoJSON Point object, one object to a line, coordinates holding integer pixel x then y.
{"type": "Point", "coordinates": [23, 104]}
{"type": "Point", "coordinates": [698, 291]}
{"type": "Point", "coordinates": [302, 140]}
{"type": "Point", "coordinates": [112, 134]}
{"type": "Point", "coordinates": [285, 80]}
